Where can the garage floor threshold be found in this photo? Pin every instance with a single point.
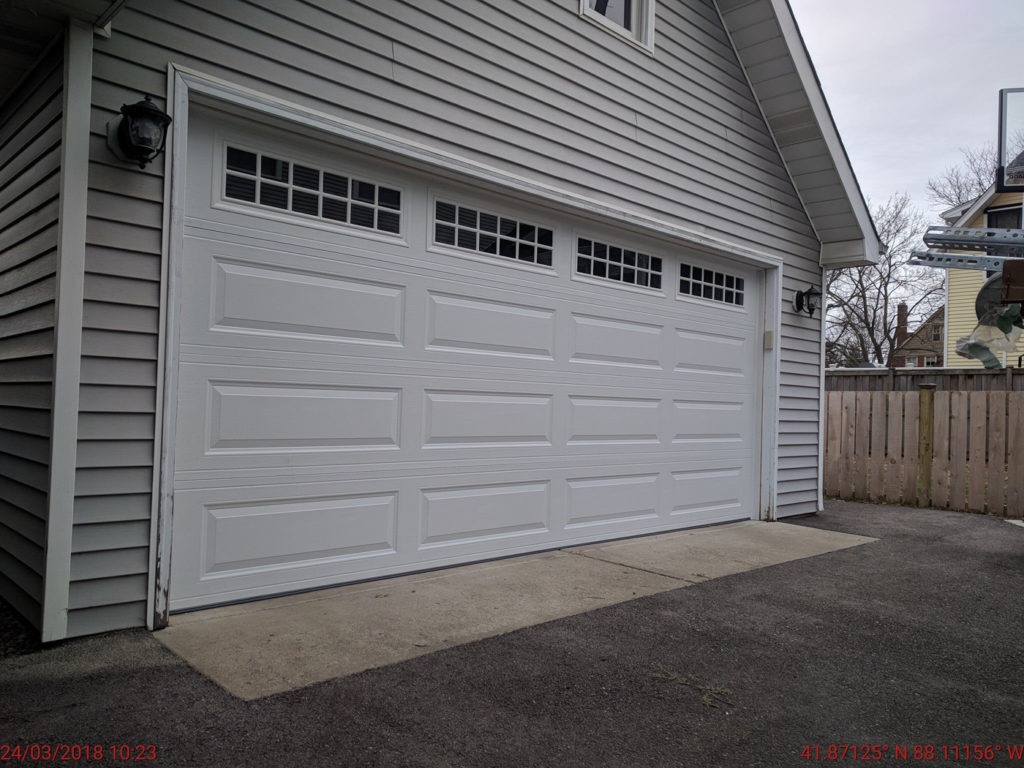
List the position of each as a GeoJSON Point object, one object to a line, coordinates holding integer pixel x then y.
{"type": "Point", "coordinates": [261, 648]}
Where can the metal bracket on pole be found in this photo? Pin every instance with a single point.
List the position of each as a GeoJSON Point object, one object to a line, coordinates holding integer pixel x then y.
{"type": "Point", "coordinates": [997, 245]}
{"type": "Point", "coordinates": [944, 260]}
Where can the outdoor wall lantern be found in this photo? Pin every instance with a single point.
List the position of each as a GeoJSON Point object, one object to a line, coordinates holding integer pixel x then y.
{"type": "Point", "coordinates": [807, 301]}
{"type": "Point", "coordinates": [138, 134]}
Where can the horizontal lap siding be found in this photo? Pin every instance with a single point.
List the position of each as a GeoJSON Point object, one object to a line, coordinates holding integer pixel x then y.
{"type": "Point", "coordinates": [117, 398]}
{"type": "Point", "coordinates": [528, 87]}
{"type": "Point", "coordinates": [30, 143]}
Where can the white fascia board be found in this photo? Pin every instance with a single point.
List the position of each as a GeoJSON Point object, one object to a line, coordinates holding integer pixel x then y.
{"type": "Point", "coordinates": [977, 206]}
{"type": "Point", "coordinates": [823, 116]}
{"type": "Point", "coordinates": [74, 182]}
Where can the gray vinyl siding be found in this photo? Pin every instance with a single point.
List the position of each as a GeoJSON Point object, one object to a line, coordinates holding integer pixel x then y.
{"type": "Point", "coordinates": [530, 88]}
{"type": "Point", "coordinates": [30, 145]}
{"type": "Point", "coordinates": [117, 398]}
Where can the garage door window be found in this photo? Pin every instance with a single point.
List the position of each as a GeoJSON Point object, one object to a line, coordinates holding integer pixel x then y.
{"type": "Point", "coordinates": [491, 233]}
{"type": "Point", "coordinates": [274, 182]}
{"type": "Point", "coordinates": [705, 283]}
{"type": "Point", "coordinates": [616, 263]}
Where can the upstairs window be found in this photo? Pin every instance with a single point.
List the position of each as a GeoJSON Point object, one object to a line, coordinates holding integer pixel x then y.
{"type": "Point", "coordinates": [633, 19]}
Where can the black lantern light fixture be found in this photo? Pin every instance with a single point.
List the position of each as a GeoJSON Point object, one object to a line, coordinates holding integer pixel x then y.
{"type": "Point", "coordinates": [807, 301]}
{"type": "Point", "coordinates": [138, 134]}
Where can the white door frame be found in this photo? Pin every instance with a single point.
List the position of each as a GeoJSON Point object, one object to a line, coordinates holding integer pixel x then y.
{"type": "Point", "coordinates": [186, 86]}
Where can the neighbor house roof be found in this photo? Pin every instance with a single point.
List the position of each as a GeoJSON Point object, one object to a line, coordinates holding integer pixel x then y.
{"type": "Point", "coordinates": [767, 42]}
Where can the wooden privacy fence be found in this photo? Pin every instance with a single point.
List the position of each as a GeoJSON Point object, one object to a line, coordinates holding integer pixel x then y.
{"type": "Point", "coordinates": [951, 450]}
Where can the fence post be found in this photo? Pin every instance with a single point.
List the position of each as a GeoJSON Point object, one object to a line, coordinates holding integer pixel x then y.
{"type": "Point", "coordinates": [925, 444]}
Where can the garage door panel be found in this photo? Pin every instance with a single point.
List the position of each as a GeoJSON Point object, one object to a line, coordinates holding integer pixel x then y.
{"type": "Point", "coordinates": [275, 301]}
{"type": "Point", "coordinates": [484, 513]}
{"type": "Point", "coordinates": [607, 501]}
{"type": "Point", "coordinates": [713, 354]}
{"type": "Point", "coordinates": [274, 533]}
{"type": "Point", "coordinates": [485, 326]}
{"type": "Point", "coordinates": [615, 420]}
{"type": "Point", "coordinates": [248, 417]}
{"type": "Point", "coordinates": [616, 342]}
{"type": "Point", "coordinates": [475, 420]}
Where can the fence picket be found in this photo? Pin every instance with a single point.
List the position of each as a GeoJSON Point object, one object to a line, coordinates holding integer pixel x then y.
{"type": "Point", "coordinates": [848, 443]}
{"type": "Point", "coordinates": [876, 466]}
{"type": "Point", "coordinates": [978, 454]}
{"type": "Point", "coordinates": [1015, 450]}
{"type": "Point", "coordinates": [940, 442]}
{"type": "Point", "coordinates": [861, 450]}
{"type": "Point", "coordinates": [958, 450]}
{"type": "Point", "coordinates": [911, 425]}
{"type": "Point", "coordinates": [833, 444]}
{"type": "Point", "coordinates": [894, 447]}
{"type": "Point", "coordinates": [997, 463]}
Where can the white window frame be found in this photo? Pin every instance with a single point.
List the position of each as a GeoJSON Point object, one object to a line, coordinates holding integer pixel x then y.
{"type": "Point", "coordinates": [642, 33]}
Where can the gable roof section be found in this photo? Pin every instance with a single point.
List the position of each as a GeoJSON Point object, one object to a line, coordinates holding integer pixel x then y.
{"type": "Point", "coordinates": [771, 50]}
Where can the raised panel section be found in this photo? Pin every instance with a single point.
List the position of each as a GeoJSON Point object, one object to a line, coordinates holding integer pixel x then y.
{"type": "Point", "coordinates": [716, 355]}
{"type": "Point", "coordinates": [275, 301]}
{"type": "Point", "coordinates": [597, 501]}
{"type": "Point", "coordinates": [484, 419]}
{"type": "Point", "coordinates": [270, 534]}
{"type": "Point", "coordinates": [615, 342]}
{"type": "Point", "coordinates": [468, 324]}
{"type": "Point", "coordinates": [255, 417]}
{"type": "Point", "coordinates": [705, 421]}
{"type": "Point", "coordinates": [477, 513]}
{"type": "Point", "coordinates": [708, 494]}
{"type": "Point", "coordinates": [613, 420]}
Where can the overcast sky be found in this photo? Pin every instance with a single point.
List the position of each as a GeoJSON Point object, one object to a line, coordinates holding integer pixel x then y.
{"type": "Point", "coordinates": [910, 82]}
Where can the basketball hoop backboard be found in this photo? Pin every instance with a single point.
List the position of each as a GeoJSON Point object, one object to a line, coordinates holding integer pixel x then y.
{"type": "Point", "coordinates": [1010, 176]}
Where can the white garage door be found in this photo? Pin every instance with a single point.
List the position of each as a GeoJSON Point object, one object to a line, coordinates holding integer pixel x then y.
{"type": "Point", "coordinates": [379, 371]}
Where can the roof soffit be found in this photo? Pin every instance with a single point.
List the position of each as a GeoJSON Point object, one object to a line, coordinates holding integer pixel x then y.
{"type": "Point", "coordinates": [769, 47]}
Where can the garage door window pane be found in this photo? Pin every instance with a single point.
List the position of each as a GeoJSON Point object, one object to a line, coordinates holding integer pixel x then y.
{"type": "Point", "coordinates": [335, 210]}
{"type": "Point", "coordinates": [274, 196]}
{"type": "Point", "coordinates": [335, 185]}
{"type": "Point", "coordinates": [710, 284]}
{"type": "Point", "coordinates": [240, 160]}
{"type": "Point", "coordinates": [275, 182]}
{"type": "Point", "coordinates": [304, 202]}
{"type": "Point", "coordinates": [308, 178]}
{"type": "Point", "coordinates": [471, 229]}
{"type": "Point", "coordinates": [272, 168]}
{"type": "Point", "coordinates": [617, 263]}
{"type": "Point", "coordinates": [240, 188]}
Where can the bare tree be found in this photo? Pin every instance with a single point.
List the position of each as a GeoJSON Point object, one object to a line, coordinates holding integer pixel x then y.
{"type": "Point", "coordinates": [860, 323]}
{"type": "Point", "coordinates": [964, 182]}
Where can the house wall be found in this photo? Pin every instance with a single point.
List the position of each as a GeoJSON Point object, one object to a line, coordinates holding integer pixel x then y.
{"type": "Point", "coordinates": [30, 147]}
{"type": "Point", "coordinates": [962, 289]}
{"type": "Point", "coordinates": [530, 88]}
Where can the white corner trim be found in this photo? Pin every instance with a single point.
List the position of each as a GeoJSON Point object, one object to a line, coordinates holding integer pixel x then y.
{"type": "Point", "coordinates": [71, 227]}
{"type": "Point", "coordinates": [201, 87]}
{"type": "Point", "coordinates": [771, 372]}
{"type": "Point", "coordinates": [821, 399]}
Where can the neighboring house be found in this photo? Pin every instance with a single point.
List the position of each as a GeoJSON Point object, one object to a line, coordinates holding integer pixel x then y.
{"type": "Point", "coordinates": [924, 347]}
{"type": "Point", "coordinates": [415, 284]}
{"type": "Point", "coordinates": [992, 209]}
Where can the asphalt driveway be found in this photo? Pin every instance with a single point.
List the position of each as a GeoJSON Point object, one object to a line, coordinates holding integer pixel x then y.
{"type": "Point", "coordinates": [910, 645]}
